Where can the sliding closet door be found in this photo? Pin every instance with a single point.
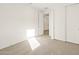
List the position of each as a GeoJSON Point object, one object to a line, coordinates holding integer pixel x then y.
{"type": "Point", "coordinates": [73, 23]}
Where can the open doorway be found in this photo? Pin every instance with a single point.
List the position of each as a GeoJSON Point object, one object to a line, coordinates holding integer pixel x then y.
{"type": "Point", "coordinates": [46, 24]}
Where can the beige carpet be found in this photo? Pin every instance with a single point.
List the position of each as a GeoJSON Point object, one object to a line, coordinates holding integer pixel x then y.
{"type": "Point", "coordinates": [47, 47]}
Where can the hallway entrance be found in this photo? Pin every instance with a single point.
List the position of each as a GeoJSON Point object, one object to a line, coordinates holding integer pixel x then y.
{"type": "Point", "coordinates": [46, 24]}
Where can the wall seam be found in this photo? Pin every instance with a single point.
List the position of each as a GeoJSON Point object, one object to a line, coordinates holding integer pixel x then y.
{"type": "Point", "coordinates": [65, 23]}
{"type": "Point", "coordinates": [53, 23]}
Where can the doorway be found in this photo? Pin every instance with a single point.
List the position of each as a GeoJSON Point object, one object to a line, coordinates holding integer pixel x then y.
{"type": "Point", "coordinates": [46, 24]}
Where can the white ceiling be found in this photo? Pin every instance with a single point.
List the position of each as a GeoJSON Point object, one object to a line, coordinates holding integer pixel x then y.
{"type": "Point", "coordinates": [43, 6]}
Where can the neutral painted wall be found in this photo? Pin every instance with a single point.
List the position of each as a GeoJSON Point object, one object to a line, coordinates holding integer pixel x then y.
{"type": "Point", "coordinates": [51, 23]}
{"type": "Point", "coordinates": [64, 23]}
{"type": "Point", "coordinates": [40, 23]}
{"type": "Point", "coordinates": [73, 23]}
{"type": "Point", "coordinates": [59, 17]}
{"type": "Point", "coordinates": [15, 20]}
{"type": "Point", "coordinates": [57, 23]}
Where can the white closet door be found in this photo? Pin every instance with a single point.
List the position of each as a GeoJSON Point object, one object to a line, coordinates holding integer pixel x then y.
{"type": "Point", "coordinates": [73, 23]}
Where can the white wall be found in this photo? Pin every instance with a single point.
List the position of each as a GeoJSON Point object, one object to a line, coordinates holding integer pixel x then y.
{"type": "Point", "coordinates": [51, 24]}
{"type": "Point", "coordinates": [15, 20]}
{"type": "Point", "coordinates": [73, 23]}
{"type": "Point", "coordinates": [40, 23]}
{"type": "Point", "coordinates": [63, 19]}
{"type": "Point", "coordinates": [59, 14]}
{"type": "Point", "coordinates": [64, 23]}
{"type": "Point", "coordinates": [57, 23]}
